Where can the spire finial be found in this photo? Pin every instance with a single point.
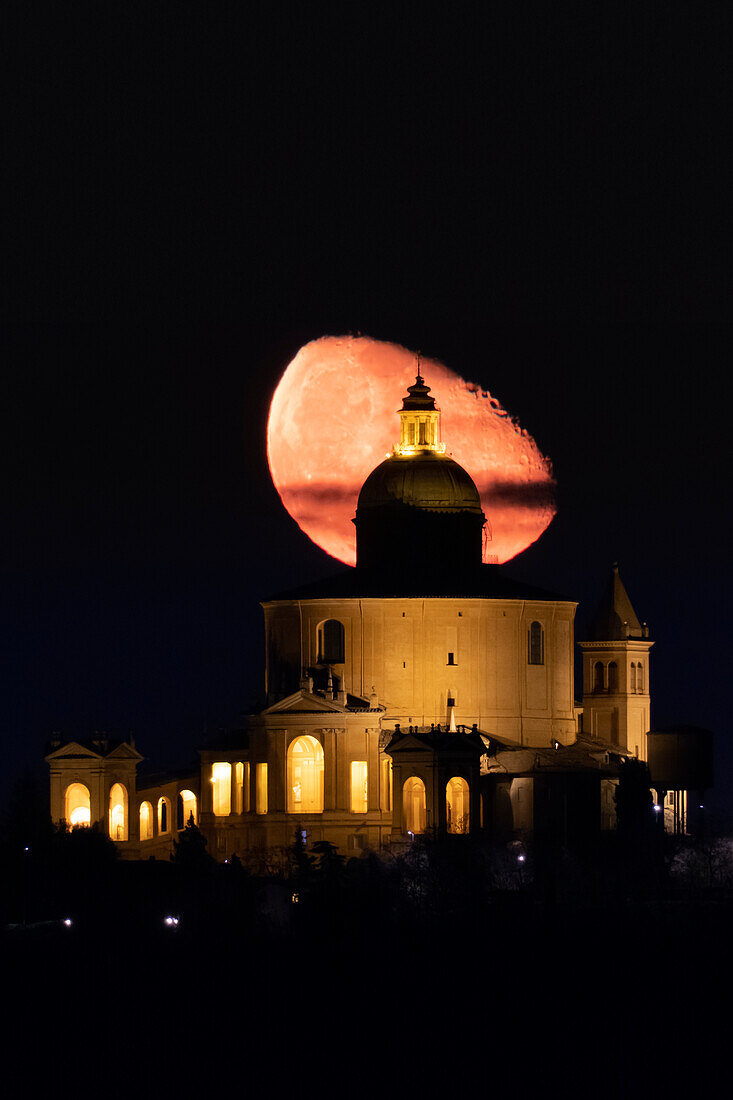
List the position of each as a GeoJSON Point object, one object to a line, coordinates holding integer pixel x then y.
{"type": "Point", "coordinates": [419, 372]}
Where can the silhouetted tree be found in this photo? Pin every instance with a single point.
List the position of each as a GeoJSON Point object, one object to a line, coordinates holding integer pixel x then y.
{"type": "Point", "coordinates": [330, 861]}
{"type": "Point", "coordinates": [189, 851]}
{"type": "Point", "coordinates": [301, 862]}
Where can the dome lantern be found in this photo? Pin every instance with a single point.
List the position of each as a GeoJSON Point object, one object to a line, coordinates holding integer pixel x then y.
{"type": "Point", "coordinates": [419, 420]}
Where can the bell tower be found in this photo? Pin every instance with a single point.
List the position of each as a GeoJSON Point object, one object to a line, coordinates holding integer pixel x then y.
{"type": "Point", "coordinates": [616, 698]}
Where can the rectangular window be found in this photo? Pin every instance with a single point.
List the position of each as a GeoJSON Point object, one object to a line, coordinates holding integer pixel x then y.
{"type": "Point", "coordinates": [358, 787]}
{"type": "Point", "coordinates": [221, 779]}
{"type": "Point", "coordinates": [261, 792]}
{"type": "Point", "coordinates": [451, 658]}
{"type": "Point", "coordinates": [238, 787]}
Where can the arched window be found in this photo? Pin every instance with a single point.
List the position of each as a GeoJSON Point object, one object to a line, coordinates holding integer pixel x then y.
{"type": "Point", "coordinates": [77, 805]}
{"type": "Point", "coordinates": [613, 676]}
{"type": "Point", "coordinates": [146, 821]}
{"type": "Point", "coordinates": [305, 776]}
{"type": "Point", "coordinates": [331, 642]}
{"type": "Point", "coordinates": [632, 681]}
{"type": "Point", "coordinates": [536, 644]}
{"type": "Point", "coordinates": [640, 677]}
{"type": "Point", "coordinates": [164, 816]}
{"type": "Point", "coordinates": [413, 805]}
{"type": "Point", "coordinates": [118, 812]}
{"type": "Point", "coordinates": [457, 809]}
{"type": "Point", "coordinates": [186, 806]}
{"type": "Point", "coordinates": [598, 676]}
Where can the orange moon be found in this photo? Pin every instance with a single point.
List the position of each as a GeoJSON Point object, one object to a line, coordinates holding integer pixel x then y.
{"type": "Point", "coordinates": [333, 418]}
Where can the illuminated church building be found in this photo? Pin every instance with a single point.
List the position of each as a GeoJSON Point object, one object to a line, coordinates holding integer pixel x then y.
{"type": "Point", "coordinates": [420, 692]}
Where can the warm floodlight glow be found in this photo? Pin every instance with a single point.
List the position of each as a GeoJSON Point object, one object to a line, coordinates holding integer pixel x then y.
{"type": "Point", "coordinates": [221, 777]}
{"type": "Point", "coordinates": [261, 789]}
{"type": "Point", "coordinates": [358, 786]}
{"type": "Point", "coordinates": [77, 805]}
{"type": "Point", "coordinates": [118, 812]}
{"type": "Point", "coordinates": [457, 805]}
{"type": "Point", "coordinates": [413, 805]}
{"type": "Point", "coordinates": [305, 776]}
{"type": "Point", "coordinates": [188, 804]}
{"type": "Point", "coordinates": [164, 816]}
{"type": "Point", "coordinates": [146, 821]}
{"type": "Point", "coordinates": [334, 417]}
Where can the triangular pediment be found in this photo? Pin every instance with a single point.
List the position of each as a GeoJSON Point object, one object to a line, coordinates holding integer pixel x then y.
{"type": "Point", "coordinates": [408, 743]}
{"type": "Point", "coordinates": [303, 702]}
{"type": "Point", "coordinates": [74, 749]}
{"type": "Point", "coordinates": [124, 752]}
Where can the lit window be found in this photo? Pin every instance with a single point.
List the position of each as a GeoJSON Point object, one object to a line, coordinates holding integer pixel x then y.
{"type": "Point", "coordinates": [164, 816]}
{"type": "Point", "coordinates": [118, 812]}
{"type": "Point", "coordinates": [305, 776]}
{"type": "Point", "coordinates": [536, 644]}
{"type": "Point", "coordinates": [457, 805]}
{"type": "Point", "coordinates": [246, 788]}
{"type": "Point", "coordinates": [358, 787]}
{"type": "Point", "coordinates": [77, 805]}
{"type": "Point", "coordinates": [331, 642]}
{"type": "Point", "coordinates": [146, 821]}
{"type": "Point", "coordinates": [413, 805]}
{"type": "Point", "coordinates": [261, 791]}
{"type": "Point", "coordinates": [221, 778]}
{"type": "Point", "coordinates": [238, 788]}
{"type": "Point", "coordinates": [186, 808]}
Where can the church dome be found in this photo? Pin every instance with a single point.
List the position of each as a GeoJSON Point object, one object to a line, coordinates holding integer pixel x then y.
{"type": "Point", "coordinates": [419, 505]}
{"type": "Point", "coordinates": [427, 481]}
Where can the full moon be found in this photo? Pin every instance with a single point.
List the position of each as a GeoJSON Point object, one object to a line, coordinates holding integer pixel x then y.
{"type": "Point", "coordinates": [333, 418]}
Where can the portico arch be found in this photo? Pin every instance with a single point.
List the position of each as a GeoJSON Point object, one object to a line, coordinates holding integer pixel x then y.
{"type": "Point", "coordinates": [146, 821]}
{"type": "Point", "coordinates": [457, 806]}
{"type": "Point", "coordinates": [413, 805]}
{"type": "Point", "coordinates": [118, 812]}
{"type": "Point", "coordinates": [77, 805]}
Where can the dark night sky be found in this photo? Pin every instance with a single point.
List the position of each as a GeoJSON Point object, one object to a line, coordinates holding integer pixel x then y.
{"type": "Point", "coordinates": [538, 197]}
